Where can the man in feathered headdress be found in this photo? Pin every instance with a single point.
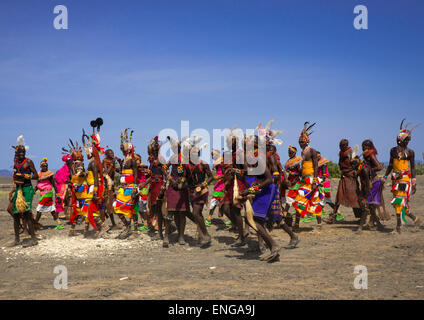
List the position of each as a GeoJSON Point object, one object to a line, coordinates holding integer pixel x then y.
{"type": "Point", "coordinates": [23, 193]}
{"type": "Point", "coordinates": [125, 200]}
{"type": "Point", "coordinates": [293, 170]}
{"type": "Point", "coordinates": [234, 178]}
{"type": "Point", "coordinates": [200, 176]}
{"type": "Point", "coordinates": [71, 156]}
{"type": "Point", "coordinates": [308, 199]}
{"type": "Point", "coordinates": [110, 164]}
{"type": "Point", "coordinates": [274, 165]}
{"type": "Point", "coordinates": [404, 183]}
{"type": "Point", "coordinates": [157, 176]}
{"type": "Point", "coordinates": [95, 180]}
{"type": "Point", "coordinates": [177, 198]}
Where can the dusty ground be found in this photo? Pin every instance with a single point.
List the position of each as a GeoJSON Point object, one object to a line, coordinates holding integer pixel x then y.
{"type": "Point", "coordinates": [320, 268]}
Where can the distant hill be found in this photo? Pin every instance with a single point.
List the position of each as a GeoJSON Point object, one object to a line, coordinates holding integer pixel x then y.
{"type": "Point", "coordinates": [6, 173]}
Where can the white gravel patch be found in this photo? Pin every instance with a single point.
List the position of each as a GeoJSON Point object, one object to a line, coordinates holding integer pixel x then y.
{"type": "Point", "coordinates": [80, 248]}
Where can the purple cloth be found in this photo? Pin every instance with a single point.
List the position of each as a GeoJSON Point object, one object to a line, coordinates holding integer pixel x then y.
{"type": "Point", "coordinates": [374, 197]}
{"type": "Point", "coordinates": [261, 204]}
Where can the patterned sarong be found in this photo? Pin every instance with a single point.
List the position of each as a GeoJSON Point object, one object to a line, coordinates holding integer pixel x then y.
{"type": "Point", "coordinates": [308, 201]}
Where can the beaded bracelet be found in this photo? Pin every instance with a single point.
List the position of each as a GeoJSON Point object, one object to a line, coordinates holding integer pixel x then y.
{"type": "Point", "coordinates": [205, 183]}
{"type": "Point", "coordinates": [276, 173]}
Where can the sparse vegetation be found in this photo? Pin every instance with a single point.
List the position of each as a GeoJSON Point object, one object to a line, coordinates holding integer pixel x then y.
{"type": "Point", "coordinates": [334, 170]}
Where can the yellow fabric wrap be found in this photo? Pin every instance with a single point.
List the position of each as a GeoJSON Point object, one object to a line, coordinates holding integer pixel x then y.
{"type": "Point", "coordinates": [400, 165]}
{"type": "Point", "coordinates": [307, 168]}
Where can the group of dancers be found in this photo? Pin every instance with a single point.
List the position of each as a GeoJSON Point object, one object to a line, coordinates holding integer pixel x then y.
{"type": "Point", "coordinates": [164, 193]}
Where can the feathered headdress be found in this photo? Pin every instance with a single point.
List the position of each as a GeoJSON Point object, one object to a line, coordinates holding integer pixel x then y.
{"type": "Point", "coordinates": [153, 146]}
{"type": "Point", "coordinates": [74, 151]}
{"type": "Point", "coordinates": [93, 143]}
{"type": "Point", "coordinates": [194, 143]}
{"type": "Point", "coordinates": [126, 139]}
{"type": "Point", "coordinates": [270, 135]}
{"type": "Point", "coordinates": [306, 132]}
{"type": "Point", "coordinates": [406, 133]}
{"type": "Point", "coordinates": [20, 144]}
{"type": "Point", "coordinates": [232, 135]}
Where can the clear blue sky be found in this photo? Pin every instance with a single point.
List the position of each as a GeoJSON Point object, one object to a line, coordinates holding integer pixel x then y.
{"type": "Point", "coordinates": [150, 64]}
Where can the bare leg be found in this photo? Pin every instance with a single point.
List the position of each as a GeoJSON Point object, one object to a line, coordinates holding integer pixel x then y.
{"type": "Point", "coordinates": [17, 227]}
{"type": "Point", "coordinates": [29, 221]}
{"type": "Point", "coordinates": [197, 214]}
{"type": "Point", "coordinates": [242, 238]}
{"type": "Point", "coordinates": [296, 227]}
{"type": "Point", "coordinates": [181, 227]}
{"type": "Point", "coordinates": [294, 240]}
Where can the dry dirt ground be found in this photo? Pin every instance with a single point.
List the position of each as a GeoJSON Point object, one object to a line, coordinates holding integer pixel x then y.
{"type": "Point", "coordinates": [322, 267]}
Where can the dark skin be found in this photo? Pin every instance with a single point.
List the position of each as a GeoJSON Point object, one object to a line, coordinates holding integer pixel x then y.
{"type": "Point", "coordinates": [263, 181]}
{"type": "Point", "coordinates": [67, 200]}
{"type": "Point", "coordinates": [324, 177]}
{"type": "Point", "coordinates": [44, 168]}
{"type": "Point", "coordinates": [275, 166]}
{"type": "Point", "coordinates": [345, 171]}
{"type": "Point", "coordinates": [290, 184]}
{"type": "Point", "coordinates": [215, 156]}
{"type": "Point", "coordinates": [178, 184]}
{"type": "Point", "coordinates": [129, 163]}
{"type": "Point", "coordinates": [93, 167]}
{"type": "Point", "coordinates": [27, 216]}
{"type": "Point", "coordinates": [143, 170]}
{"type": "Point", "coordinates": [197, 209]}
{"type": "Point", "coordinates": [402, 152]}
{"type": "Point", "coordinates": [310, 154]}
{"type": "Point", "coordinates": [78, 167]}
{"type": "Point", "coordinates": [374, 166]}
{"type": "Point", "coordinates": [109, 169]}
{"type": "Point", "coordinates": [229, 209]}
{"type": "Point", "coordinates": [156, 209]}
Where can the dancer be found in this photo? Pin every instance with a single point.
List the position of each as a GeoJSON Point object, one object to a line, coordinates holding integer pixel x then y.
{"type": "Point", "coordinates": [141, 208]}
{"type": "Point", "coordinates": [404, 183]}
{"type": "Point", "coordinates": [308, 199]}
{"type": "Point", "coordinates": [62, 179]}
{"type": "Point", "coordinates": [365, 174]}
{"type": "Point", "coordinates": [23, 193]}
{"type": "Point", "coordinates": [78, 183]}
{"type": "Point", "coordinates": [375, 198]}
{"type": "Point", "coordinates": [46, 184]}
{"type": "Point", "coordinates": [95, 195]}
{"type": "Point", "coordinates": [109, 169]}
{"type": "Point", "coordinates": [234, 177]}
{"type": "Point", "coordinates": [127, 193]}
{"type": "Point", "coordinates": [348, 188]}
{"type": "Point", "coordinates": [326, 182]}
{"type": "Point", "coordinates": [218, 189]}
{"type": "Point", "coordinates": [263, 201]}
{"type": "Point", "coordinates": [157, 186]}
{"type": "Point", "coordinates": [293, 170]}
{"type": "Point", "coordinates": [200, 176]}
{"type": "Point", "coordinates": [177, 198]}
{"type": "Point", "coordinates": [79, 193]}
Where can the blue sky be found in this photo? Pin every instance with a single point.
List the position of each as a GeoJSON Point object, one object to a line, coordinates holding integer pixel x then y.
{"type": "Point", "coordinates": [150, 64]}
